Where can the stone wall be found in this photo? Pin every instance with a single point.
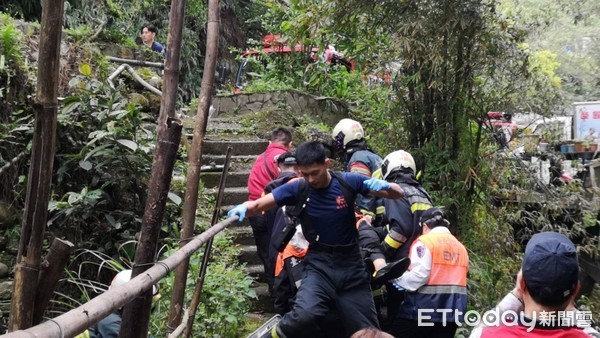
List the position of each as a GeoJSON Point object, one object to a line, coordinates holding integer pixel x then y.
{"type": "Point", "coordinates": [324, 109]}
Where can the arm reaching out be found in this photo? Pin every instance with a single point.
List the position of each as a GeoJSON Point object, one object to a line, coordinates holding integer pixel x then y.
{"type": "Point", "coordinates": [382, 188]}
{"type": "Point", "coordinates": [250, 208]}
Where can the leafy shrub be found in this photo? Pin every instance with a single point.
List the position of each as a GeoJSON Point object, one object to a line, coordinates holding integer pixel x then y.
{"type": "Point", "coordinates": [226, 294]}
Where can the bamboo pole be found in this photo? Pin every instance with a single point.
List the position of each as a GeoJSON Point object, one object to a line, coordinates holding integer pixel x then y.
{"type": "Point", "coordinates": [207, 251]}
{"type": "Point", "coordinates": [55, 262]}
{"type": "Point", "coordinates": [195, 159]}
{"type": "Point", "coordinates": [40, 171]}
{"type": "Point", "coordinates": [136, 315]}
{"type": "Point", "coordinates": [77, 320]}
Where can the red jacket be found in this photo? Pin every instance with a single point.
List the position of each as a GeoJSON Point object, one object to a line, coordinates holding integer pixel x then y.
{"type": "Point", "coordinates": [521, 331]}
{"type": "Point", "coordinates": [259, 175]}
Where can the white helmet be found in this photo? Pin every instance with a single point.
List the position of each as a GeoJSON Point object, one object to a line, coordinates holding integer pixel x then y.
{"type": "Point", "coordinates": [345, 131]}
{"type": "Point", "coordinates": [124, 277]}
{"type": "Point", "coordinates": [120, 279]}
{"type": "Point", "coordinates": [395, 160]}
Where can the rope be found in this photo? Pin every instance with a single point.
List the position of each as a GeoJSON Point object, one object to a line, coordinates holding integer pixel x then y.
{"type": "Point", "coordinates": [62, 334]}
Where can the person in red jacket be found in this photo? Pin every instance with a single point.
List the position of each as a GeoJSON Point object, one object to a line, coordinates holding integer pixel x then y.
{"type": "Point", "coordinates": [265, 170]}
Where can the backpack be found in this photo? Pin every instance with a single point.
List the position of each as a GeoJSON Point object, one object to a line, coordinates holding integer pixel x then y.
{"type": "Point", "coordinates": [297, 215]}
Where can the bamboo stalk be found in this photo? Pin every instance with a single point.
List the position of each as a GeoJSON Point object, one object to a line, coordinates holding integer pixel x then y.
{"type": "Point", "coordinates": [207, 251]}
{"type": "Point", "coordinates": [40, 171]}
{"type": "Point", "coordinates": [136, 315]}
{"type": "Point", "coordinates": [136, 62]}
{"type": "Point", "coordinates": [195, 159]}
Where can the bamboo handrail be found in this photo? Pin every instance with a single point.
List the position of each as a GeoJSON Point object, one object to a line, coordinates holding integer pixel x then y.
{"type": "Point", "coordinates": [78, 320]}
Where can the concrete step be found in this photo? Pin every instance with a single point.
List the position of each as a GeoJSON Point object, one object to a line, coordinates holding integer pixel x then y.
{"type": "Point", "coordinates": [211, 179]}
{"type": "Point", "coordinates": [256, 271]}
{"type": "Point", "coordinates": [238, 147]}
{"type": "Point", "coordinates": [236, 163]}
{"type": "Point", "coordinates": [242, 235]}
{"type": "Point", "coordinates": [263, 303]}
{"type": "Point", "coordinates": [248, 254]}
{"type": "Point", "coordinates": [232, 195]}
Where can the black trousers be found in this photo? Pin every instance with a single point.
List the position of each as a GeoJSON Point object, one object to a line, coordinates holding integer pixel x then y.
{"type": "Point", "coordinates": [262, 238]}
{"type": "Point", "coordinates": [334, 280]}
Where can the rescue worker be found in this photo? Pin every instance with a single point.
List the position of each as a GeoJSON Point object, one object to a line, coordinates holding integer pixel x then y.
{"type": "Point", "coordinates": [264, 170]}
{"type": "Point", "coordinates": [436, 284]}
{"type": "Point", "coordinates": [288, 267]}
{"type": "Point", "coordinates": [288, 170]}
{"type": "Point", "coordinates": [335, 276]}
{"type": "Point", "coordinates": [392, 243]}
{"type": "Point", "coordinates": [148, 34]}
{"type": "Point", "coordinates": [349, 138]}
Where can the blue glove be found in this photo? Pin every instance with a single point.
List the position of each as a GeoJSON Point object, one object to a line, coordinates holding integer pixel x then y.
{"type": "Point", "coordinates": [239, 210]}
{"type": "Point", "coordinates": [377, 184]}
{"type": "Point", "coordinates": [396, 284]}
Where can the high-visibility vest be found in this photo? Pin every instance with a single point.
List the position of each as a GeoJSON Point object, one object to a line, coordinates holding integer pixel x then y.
{"type": "Point", "coordinates": [446, 287]}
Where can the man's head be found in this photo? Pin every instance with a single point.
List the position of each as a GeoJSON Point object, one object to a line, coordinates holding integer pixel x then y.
{"type": "Point", "coordinates": [313, 164]}
{"type": "Point", "coordinates": [433, 218]}
{"type": "Point", "coordinates": [347, 132]}
{"type": "Point", "coordinates": [287, 162]}
{"type": "Point", "coordinates": [148, 33]}
{"type": "Point", "coordinates": [282, 136]}
{"type": "Point", "coordinates": [550, 269]}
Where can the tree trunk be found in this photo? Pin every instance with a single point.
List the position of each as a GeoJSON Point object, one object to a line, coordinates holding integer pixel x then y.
{"type": "Point", "coordinates": [136, 315]}
{"type": "Point", "coordinates": [40, 171]}
{"type": "Point", "coordinates": [195, 159]}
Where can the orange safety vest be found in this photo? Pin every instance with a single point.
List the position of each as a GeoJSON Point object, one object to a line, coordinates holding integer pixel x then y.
{"type": "Point", "coordinates": [446, 287]}
{"type": "Point", "coordinates": [450, 260]}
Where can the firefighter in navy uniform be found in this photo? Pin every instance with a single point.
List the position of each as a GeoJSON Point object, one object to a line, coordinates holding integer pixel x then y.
{"type": "Point", "coordinates": [349, 138]}
{"type": "Point", "coordinates": [391, 243]}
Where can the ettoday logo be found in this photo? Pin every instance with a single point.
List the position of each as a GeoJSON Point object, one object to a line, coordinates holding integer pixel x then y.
{"type": "Point", "coordinates": [506, 318]}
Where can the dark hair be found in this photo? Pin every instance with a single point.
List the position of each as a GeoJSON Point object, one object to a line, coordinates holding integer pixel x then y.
{"type": "Point", "coordinates": [287, 160]}
{"type": "Point", "coordinates": [150, 28]}
{"type": "Point", "coordinates": [281, 135]}
{"type": "Point", "coordinates": [545, 296]}
{"type": "Point", "coordinates": [434, 217]}
{"type": "Point", "coordinates": [312, 152]}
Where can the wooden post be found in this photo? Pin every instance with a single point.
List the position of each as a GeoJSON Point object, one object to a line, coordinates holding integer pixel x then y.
{"type": "Point", "coordinates": [136, 315]}
{"type": "Point", "coordinates": [54, 264]}
{"type": "Point", "coordinates": [40, 171]}
{"type": "Point", "coordinates": [195, 159]}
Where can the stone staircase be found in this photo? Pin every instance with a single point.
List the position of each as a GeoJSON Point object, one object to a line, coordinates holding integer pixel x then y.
{"type": "Point", "coordinates": [222, 133]}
